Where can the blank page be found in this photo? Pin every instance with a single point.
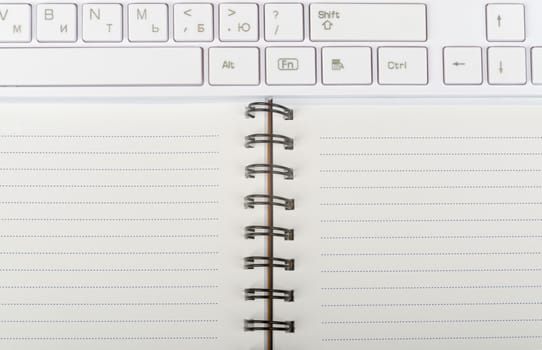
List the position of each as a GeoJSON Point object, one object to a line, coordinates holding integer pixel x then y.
{"type": "Point", "coordinates": [121, 227]}
{"type": "Point", "coordinates": [417, 227]}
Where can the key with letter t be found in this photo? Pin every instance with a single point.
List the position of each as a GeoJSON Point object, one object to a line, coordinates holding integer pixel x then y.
{"type": "Point", "coordinates": [102, 22]}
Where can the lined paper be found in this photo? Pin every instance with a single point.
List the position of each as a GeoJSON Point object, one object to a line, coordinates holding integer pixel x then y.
{"type": "Point", "coordinates": [121, 227]}
{"type": "Point", "coordinates": [417, 227]}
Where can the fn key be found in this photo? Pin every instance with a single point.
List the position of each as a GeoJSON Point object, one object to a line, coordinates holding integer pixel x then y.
{"type": "Point", "coordinates": [290, 65]}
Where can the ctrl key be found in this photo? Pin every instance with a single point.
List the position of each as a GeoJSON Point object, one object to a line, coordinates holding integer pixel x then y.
{"type": "Point", "coordinates": [402, 66]}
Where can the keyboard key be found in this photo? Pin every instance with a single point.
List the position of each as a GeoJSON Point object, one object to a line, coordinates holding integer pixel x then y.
{"type": "Point", "coordinates": [101, 66]}
{"type": "Point", "coordinates": [238, 22]}
{"type": "Point", "coordinates": [505, 22]}
{"type": "Point", "coordinates": [15, 23]}
{"type": "Point", "coordinates": [368, 22]}
{"type": "Point", "coordinates": [290, 66]}
{"type": "Point", "coordinates": [402, 66]}
{"type": "Point", "coordinates": [102, 22]}
{"type": "Point", "coordinates": [507, 66]}
{"type": "Point", "coordinates": [536, 61]}
{"type": "Point", "coordinates": [346, 66]}
{"type": "Point", "coordinates": [463, 65]}
{"type": "Point", "coordinates": [234, 66]}
{"type": "Point", "coordinates": [193, 22]}
{"type": "Point", "coordinates": [283, 22]}
{"type": "Point", "coordinates": [147, 22]}
{"type": "Point", "coordinates": [56, 22]}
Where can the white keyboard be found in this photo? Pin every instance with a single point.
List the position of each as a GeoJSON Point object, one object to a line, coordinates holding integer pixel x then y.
{"type": "Point", "coordinates": [438, 48]}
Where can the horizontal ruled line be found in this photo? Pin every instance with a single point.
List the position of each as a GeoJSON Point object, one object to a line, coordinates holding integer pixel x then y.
{"type": "Point", "coordinates": [378, 305]}
{"type": "Point", "coordinates": [448, 187]}
{"type": "Point", "coordinates": [519, 320]}
{"type": "Point", "coordinates": [428, 204]}
{"type": "Point", "coordinates": [203, 303]}
{"type": "Point", "coordinates": [111, 219]}
{"type": "Point", "coordinates": [431, 137]}
{"type": "Point", "coordinates": [430, 154]}
{"type": "Point", "coordinates": [431, 220]}
{"type": "Point", "coordinates": [108, 321]}
{"type": "Point", "coordinates": [109, 287]}
{"type": "Point", "coordinates": [105, 153]}
{"type": "Point", "coordinates": [428, 253]}
{"type": "Point", "coordinates": [430, 170]}
{"type": "Point", "coordinates": [511, 337]}
{"type": "Point", "coordinates": [165, 235]}
{"type": "Point", "coordinates": [112, 253]}
{"type": "Point", "coordinates": [109, 270]}
{"type": "Point", "coordinates": [113, 136]}
{"type": "Point", "coordinates": [432, 270]}
{"type": "Point", "coordinates": [109, 186]}
{"type": "Point", "coordinates": [527, 286]}
{"type": "Point", "coordinates": [110, 169]}
{"type": "Point", "coordinates": [104, 338]}
{"type": "Point", "coordinates": [105, 202]}
{"type": "Point", "coordinates": [417, 236]}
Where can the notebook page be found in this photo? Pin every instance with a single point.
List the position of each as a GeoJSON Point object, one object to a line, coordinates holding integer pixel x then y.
{"type": "Point", "coordinates": [121, 227]}
{"type": "Point", "coordinates": [417, 227]}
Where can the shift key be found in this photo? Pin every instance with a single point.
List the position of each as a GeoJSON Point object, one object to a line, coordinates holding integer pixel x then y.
{"type": "Point", "coordinates": [368, 22]}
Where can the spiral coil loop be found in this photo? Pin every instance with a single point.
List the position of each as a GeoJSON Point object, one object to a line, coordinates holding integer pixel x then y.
{"type": "Point", "coordinates": [264, 199]}
{"type": "Point", "coordinates": [254, 169]}
{"type": "Point", "coordinates": [262, 293]}
{"type": "Point", "coordinates": [254, 231]}
{"type": "Point", "coordinates": [263, 325]}
{"type": "Point", "coordinates": [256, 107]}
{"type": "Point", "coordinates": [263, 261]}
{"type": "Point", "coordinates": [255, 139]}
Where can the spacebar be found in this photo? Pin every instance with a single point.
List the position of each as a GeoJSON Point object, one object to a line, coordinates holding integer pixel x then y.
{"type": "Point", "coordinates": [141, 66]}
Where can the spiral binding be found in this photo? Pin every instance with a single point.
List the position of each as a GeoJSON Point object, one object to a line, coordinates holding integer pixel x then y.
{"type": "Point", "coordinates": [269, 231]}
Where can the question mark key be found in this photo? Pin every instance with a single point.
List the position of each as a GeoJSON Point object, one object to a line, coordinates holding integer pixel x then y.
{"type": "Point", "coordinates": [284, 22]}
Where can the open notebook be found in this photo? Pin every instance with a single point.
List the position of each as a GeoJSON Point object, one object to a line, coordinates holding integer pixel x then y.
{"type": "Point", "coordinates": [404, 227]}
